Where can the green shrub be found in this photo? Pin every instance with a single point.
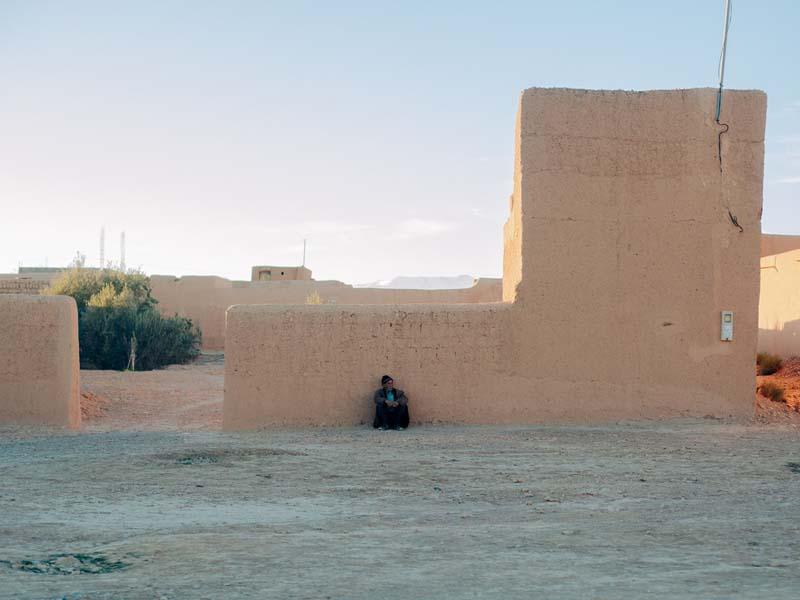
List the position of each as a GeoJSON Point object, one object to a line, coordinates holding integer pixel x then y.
{"type": "Point", "coordinates": [110, 335]}
{"type": "Point", "coordinates": [105, 336]}
{"type": "Point", "coordinates": [118, 325]}
{"type": "Point", "coordinates": [164, 340]}
{"type": "Point", "coordinates": [768, 363]}
{"type": "Point", "coordinates": [772, 391]}
{"type": "Point", "coordinates": [103, 287]}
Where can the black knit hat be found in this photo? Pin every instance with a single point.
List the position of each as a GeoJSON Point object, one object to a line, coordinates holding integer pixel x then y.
{"type": "Point", "coordinates": [386, 379]}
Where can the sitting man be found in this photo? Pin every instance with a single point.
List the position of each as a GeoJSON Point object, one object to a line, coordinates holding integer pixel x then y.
{"type": "Point", "coordinates": [391, 406]}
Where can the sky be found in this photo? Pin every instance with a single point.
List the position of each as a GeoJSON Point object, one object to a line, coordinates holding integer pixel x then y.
{"type": "Point", "coordinates": [220, 135]}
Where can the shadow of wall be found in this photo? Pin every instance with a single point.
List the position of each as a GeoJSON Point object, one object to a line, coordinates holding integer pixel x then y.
{"type": "Point", "coordinates": [778, 244]}
{"type": "Point", "coordinates": [784, 342]}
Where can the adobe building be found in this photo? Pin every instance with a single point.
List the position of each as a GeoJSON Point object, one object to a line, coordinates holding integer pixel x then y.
{"type": "Point", "coordinates": [621, 263]}
{"type": "Point", "coordinates": [39, 368]}
{"type": "Point", "coordinates": [779, 306]}
{"type": "Point", "coordinates": [772, 243]}
{"type": "Point", "coordinates": [779, 302]}
{"type": "Point", "coordinates": [28, 280]}
{"type": "Point", "coordinates": [31, 280]}
{"type": "Point", "coordinates": [11, 284]}
{"type": "Point", "coordinates": [272, 273]}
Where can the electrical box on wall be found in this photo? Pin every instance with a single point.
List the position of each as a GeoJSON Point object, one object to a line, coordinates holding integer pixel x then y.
{"type": "Point", "coordinates": [726, 330]}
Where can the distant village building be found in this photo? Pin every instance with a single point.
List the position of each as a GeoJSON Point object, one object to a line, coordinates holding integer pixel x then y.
{"type": "Point", "coordinates": [273, 273]}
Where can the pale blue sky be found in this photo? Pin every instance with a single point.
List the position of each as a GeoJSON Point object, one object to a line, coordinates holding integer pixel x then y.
{"type": "Point", "coordinates": [220, 134]}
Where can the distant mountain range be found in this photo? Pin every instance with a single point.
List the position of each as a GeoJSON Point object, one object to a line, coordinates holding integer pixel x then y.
{"type": "Point", "coordinates": [423, 283]}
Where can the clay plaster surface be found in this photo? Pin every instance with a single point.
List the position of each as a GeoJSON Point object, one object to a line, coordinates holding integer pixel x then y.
{"type": "Point", "coordinates": [39, 370]}
{"type": "Point", "coordinates": [332, 357]}
{"type": "Point", "coordinates": [777, 244]}
{"type": "Point", "coordinates": [779, 307]}
{"type": "Point", "coordinates": [205, 299]}
{"type": "Point", "coordinates": [276, 273]}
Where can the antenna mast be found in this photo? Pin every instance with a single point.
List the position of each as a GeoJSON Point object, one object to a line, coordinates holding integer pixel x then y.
{"type": "Point", "coordinates": [102, 247]}
{"type": "Point", "coordinates": [122, 251]}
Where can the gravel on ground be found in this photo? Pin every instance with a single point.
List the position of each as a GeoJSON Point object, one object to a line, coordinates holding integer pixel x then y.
{"type": "Point", "coordinates": [697, 509]}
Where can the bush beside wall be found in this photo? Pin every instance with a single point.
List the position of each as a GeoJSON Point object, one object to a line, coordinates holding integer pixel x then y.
{"type": "Point", "coordinates": [119, 326]}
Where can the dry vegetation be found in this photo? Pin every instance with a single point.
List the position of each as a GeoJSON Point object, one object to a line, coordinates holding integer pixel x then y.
{"type": "Point", "coordinates": [778, 395]}
{"type": "Point", "coordinates": [772, 391]}
{"type": "Point", "coordinates": [767, 364]}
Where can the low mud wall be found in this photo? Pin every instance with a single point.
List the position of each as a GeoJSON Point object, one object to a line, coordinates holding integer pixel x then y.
{"type": "Point", "coordinates": [22, 286]}
{"type": "Point", "coordinates": [320, 365]}
{"type": "Point", "coordinates": [205, 299]}
{"type": "Point", "coordinates": [779, 306]}
{"type": "Point", "coordinates": [39, 368]}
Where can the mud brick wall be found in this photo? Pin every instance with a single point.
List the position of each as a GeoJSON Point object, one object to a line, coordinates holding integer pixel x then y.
{"type": "Point", "coordinates": [22, 286]}
{"type": "Point", "coordinates": [39, 368]}
{"type": "Point", "coordinates": [779, 306]}
{"type": "Point", "coordinates": [620, 254]}
{"type": "Point", "coordinates": [204, 299]}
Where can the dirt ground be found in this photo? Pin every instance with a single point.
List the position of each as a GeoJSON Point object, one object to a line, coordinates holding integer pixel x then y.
{"type": "Point", "coordinates": [180, 397]}
{"type": "Point", "coordinates": [151, 501]}
{"type": "Point", "coordinates": [788, 379]}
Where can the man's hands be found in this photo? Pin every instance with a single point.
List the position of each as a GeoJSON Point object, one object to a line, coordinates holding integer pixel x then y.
{"type": "Point", "coordinates": [392, 404]}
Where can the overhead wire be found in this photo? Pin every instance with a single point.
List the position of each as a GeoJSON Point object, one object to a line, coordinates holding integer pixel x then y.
{"type": "Point", "coordinates": [721, 75]}
{"type": "Point", "coordinates": [724, 127]}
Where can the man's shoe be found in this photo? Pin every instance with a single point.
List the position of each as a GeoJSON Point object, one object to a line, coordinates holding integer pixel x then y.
{"type": "Point", "coordinates": [400, 428]}
{"type": "Point", "coordinates": [381, 428]}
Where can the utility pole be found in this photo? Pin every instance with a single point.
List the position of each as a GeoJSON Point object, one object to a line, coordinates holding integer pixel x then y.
{"type": "Point", "coordinates": [304, 253]}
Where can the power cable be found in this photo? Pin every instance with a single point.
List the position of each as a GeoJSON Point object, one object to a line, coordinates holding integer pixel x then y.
{"type": "Point", "coordinates": [724, 127]}
{"type": "Point", "coordinates": [721, 74]}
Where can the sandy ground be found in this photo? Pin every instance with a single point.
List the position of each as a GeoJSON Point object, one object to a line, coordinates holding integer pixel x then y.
{"type": "Point", "coordinates": [150, 501]}
{"type": "Point", "coordinates": [687, 509]}
{"type": "Point", "coordinates": [180, 397]}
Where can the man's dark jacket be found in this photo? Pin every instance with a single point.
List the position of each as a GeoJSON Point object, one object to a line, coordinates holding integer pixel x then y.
{"type": "Point", "coordinates": [399, 396]}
